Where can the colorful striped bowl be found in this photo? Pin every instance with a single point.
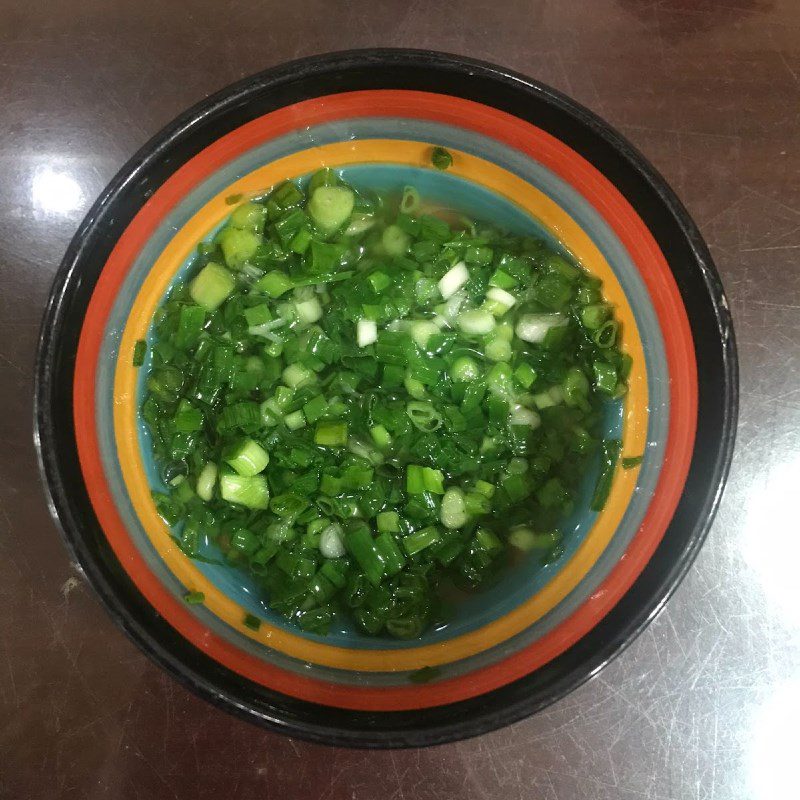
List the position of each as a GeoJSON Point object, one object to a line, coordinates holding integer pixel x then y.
{"type": "Point", "coordinates": [524, 157]}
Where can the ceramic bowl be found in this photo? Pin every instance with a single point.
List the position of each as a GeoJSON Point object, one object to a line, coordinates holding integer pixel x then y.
{"type": "Point", "coordinates": [525, 157]}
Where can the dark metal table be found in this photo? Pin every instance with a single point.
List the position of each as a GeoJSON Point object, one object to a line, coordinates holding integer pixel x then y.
{"type": "Point", "coordinates": [705, 704]}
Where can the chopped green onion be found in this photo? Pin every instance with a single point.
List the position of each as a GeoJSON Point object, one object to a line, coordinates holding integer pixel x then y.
{"type": "Point", "coordinates": [464, 369]}
{"type": "Point", "coordinates": [212, 286]}
{"type": "Point", "coordinates": [248, 216]}
{"type": "Point", "coordinates": [499, 380]}
{"type": "Point", "coordinates": [258, 315]}
{"type": "Point", "coordinates": [395, 241]}
{"type": "Point", "coordinates": [632, 461]}
{"type": "Point", "coordinates": [593, 316]}
{"type": "Point", "coordinates": [252, 622]}
{"type": "Point", "coordinates": [553, 292]}
{"type": "Point", "coordinates": [498, 349]}
{"type": "Point", "coordinates": [608, 461]}
{"type": "Point", "coordinates": [502, 280]}
{"type": "Point", "coordinates": [415, 482]}
{"type": "Point", "coordinates": [425, 674]}
{"type": "Point", "coordinates": [309, 310]}
{"type": "Point", "coordinates": [479, 255]}
{"type": "Point", "coordinates": [188, 419]}
{"type": "Point", "coordinates": [534, 327]}
{"type": "Point", "coordinates": [575, 387]}
{"type": "Point", "coordinates": [486, 540]}
{"type": "Point", "coordinates": [422, 330]}
{"type": "Point", "coordinates": [433, 480]}
{"type": "Point", "coordinates": [388, 522]}
{"type": "Point", "coordinates": [361, 546]}
{"type": "Point", "coordinates": [359, 403]}
{"type": "Point", "coordinates": [453, 512]}
{"type": "Point", "coordinates": [294, 421]}
{"type": "Point", "coordinates": [190, 325]}
{"type": "Point", "coordinates": [359, 224]}
{"type": "Point", "coordinates": [239, 415]}
{"type": "Point", "coordinates": [505, 331]}
{"type": "Point", "coordinates": [476, 504]}
{"type": "Point", "coordinates": [330, 207]}
{"type": "Point", "coordinates": [296, 375]}
{"type": "Point", "coordinates": [390, 553]}
{"type": "Point", "coordinates": [525, 375]}
{"type": "Point", "coordinates": [524, 416]}
{"type": "Point", "coordinates": [500, 300]}
{"type": "Point", "coordinates": [249, 491]}
{"type": "Point", "coordinates": [441, 158]}
{"type": "Point", "coordinates": [478, 321]}
{"type": "Point", "coordinates": [414, 387]}
{"type": "Point", "coordinates": [606, 335]}
{"type": "Point", "coordinates": [206, 481]}
{"type": "Point", "coordinates": [485, 488]}
{"type": "Point", "coordinates": [300, 241]}
{"type": "Point", "coordinates": [139, 351]}
{"type": "Point", "coordinates": [416, 542]}
{"type": "Point", "coordinates": [331, 434]}
{"type": "Point", "coordinates": [275, 283]}
{"type": "Point", "coordinates": [379, 281]}
{"type": "Point", "coordinates": [380, 436]}
{"type": "Point", "coordinates": [410, 201]}
{"type": "Point", "coordinates": [246, 457]}
{"type": "Point", "coordinates": [605, 377]}
{"type": "Point", "coordinates": [424, 416]}
{"type": "Point", "coordinates": [525, 539]}
{"type": "Point", "coordinates": [238, 246]}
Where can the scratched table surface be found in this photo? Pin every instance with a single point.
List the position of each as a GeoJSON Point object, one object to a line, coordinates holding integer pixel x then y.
{"type": "Point", "coordinates": [705, 703]}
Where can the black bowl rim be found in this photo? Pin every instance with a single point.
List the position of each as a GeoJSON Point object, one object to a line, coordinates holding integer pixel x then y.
{"type": "Point", "coordinates": [614, 633]}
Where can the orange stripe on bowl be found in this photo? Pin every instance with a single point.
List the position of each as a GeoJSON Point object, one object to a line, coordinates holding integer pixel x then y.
{"type": "Point", "coordinates": [621, 217]}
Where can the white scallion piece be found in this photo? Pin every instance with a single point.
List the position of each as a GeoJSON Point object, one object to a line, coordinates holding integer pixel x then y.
{"type": "Point", "coordinates": [522, 538]}
{"type": "Point", "coordinates": [297, 375]}
{"type": "Point", "coordinates": [453, 280]}
{"type": "Point", "coordinates": [453, 511]}
{"type": "Point", "coordinates": [359, 224]}
{"type": "Point", "coordinates": [206, 481]}
{"type": "Point", "coordinates": [309, 310]}
{"type": "Point", "coordinates": [422, 330]}
{"type": "Point", "coordinates": [477, 321]}
{"type": "Point", "coordinates": [556, 394]}
{"type": "Point", "coordinates": [497, 349]}
{"type": "Point", "coordinates": [533, 327]}
{"type": "Point", "coordinates": [449, 310]}
{"type": "Point", "coordinates": [500, 299]}
{"type": "Point", "coordinates": [266, 327]}
{"type": "Point", "coordinates": [366, 332]}
{"type": "Point", "coordinates": [358, 448]}
{"type": "Point", "coordinates": [524, 416]}
{"type": "Point", "coordinates": [330, 542]}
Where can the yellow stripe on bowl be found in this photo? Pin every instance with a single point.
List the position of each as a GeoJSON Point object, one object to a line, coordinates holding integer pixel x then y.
{"type": "Point", "coordinates": [183, 245]}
